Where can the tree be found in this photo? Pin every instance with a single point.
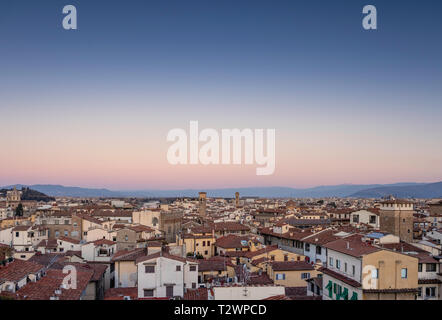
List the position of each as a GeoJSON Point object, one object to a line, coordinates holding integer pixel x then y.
{"type": "Point", "coordinates": [19, 210]}
{"type": "Point", "coordinates": [195, 255]}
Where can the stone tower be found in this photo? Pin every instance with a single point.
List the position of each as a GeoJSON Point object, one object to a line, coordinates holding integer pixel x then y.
{"type": "Point", "coordinates": [202, 203]}
{"type": "Point", "coordinates": [237, 199]}
{"type": "Point", "coordinates": [396, 217]}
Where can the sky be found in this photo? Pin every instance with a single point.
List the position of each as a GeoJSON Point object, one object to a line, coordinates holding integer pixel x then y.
{"type": "Point", "coordinates": [92, 107]}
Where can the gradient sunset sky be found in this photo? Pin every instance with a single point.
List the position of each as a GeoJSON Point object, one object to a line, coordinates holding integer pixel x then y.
{"type": "Point", "coordinates": [93, 107]}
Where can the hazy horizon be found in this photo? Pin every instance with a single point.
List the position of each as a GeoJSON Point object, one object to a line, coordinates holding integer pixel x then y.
{"type": "Point", "coordinates": [209, 188]}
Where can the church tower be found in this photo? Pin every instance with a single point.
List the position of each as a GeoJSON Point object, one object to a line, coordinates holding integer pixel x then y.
{"type": "Point", "coordinates": [202, 203]}
{"type": "Point", "coordinates": [237, 199]}
{"type": "Point", "coordinates": [13, 198]}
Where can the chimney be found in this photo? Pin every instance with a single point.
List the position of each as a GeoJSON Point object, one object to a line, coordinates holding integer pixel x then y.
{"type": "Point", "coordinates": [348, 245]}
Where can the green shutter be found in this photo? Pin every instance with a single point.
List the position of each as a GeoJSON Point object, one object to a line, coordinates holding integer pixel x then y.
{"type": "Point", "coordinates": [345, 294]}
{"type": "Point", "coordinates": [354, 296]}
{"type": "Point", "coordinates": [338, 292]}
{"type": "Point", "coordinates": [329, 286]}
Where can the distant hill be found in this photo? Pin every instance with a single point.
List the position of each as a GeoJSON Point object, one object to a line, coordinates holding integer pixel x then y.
{"type": "Point", "coordinates": [29, 194]}
{"type": "Point", "coordinates": [402, 190]}
{"type": "Point", "coordinates": [428, 190]}
{"type": "Point", "coordinates": [62, 191]}
{"type": "Point", "coordinates": [264, 192]}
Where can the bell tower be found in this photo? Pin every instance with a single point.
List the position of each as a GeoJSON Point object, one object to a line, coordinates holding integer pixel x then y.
{"type": "Point", "coordinates": [202, 203]}
{"type": "Point", "coordinates": [237, 199]}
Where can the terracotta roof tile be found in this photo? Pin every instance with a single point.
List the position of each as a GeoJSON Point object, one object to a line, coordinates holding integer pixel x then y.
{"type": "Point", "coordinates": [291, 265]}
{"type": "Point", "coordinates": [19, 269]}
{"type": "Point", "coordinates": [352, 246]}
{"type": "Point", "coordinates": [197, 294]}
{"type": "Point", "coordinates": [232, 241]}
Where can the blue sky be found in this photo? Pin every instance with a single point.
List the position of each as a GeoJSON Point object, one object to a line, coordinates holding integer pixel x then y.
{"type": "Point", "coordinates": [136, 69]}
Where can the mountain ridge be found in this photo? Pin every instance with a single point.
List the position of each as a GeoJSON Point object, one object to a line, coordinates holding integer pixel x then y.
{"type": "Point", "coordinates": [429, 190]}
{"type": "Point", "coordinates": [403, 190]}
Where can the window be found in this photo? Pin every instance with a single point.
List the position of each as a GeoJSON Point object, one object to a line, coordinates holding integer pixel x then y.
{"type": "Point", "coordinates": [206, 252]}
{"type": "Point", "coordinates": [126, 238]}
{"type": "Point", "coordinates": [272, 258]}
{"type": "Point", "coordinates": [338, 264]}
{"type": "Point", "coordinates": [419, 267]}
{"type": "Point", "coordinates": [305, 275]}
{"type": "Point", "coordinates": [372, 219]}
{"type": "Point", "coordinates": [149, 269]}
{"type": "Point", "coordinates": [307, 247]}
{"type": "Point", "coordinates": [66, 221]}
{"type": "Point", "coordinates": [430, 267]}
{"type": "Point", "coordinates": [375, 274]}
{"type": "Point", "coordinates": [193, 285]}
{"type": "Point", "coordinates": [178, 268]}
{"type": "Point", "coordinates": [148, 292]}
{"type": "Point", "coordinates": [17, 234]}
{"type": "Point", "coordinates": [419, 292]}
{"type": "Point", "coordinates": [208, 243]}
{"type": "Point", "coordinates": [345, 266]}
{"type": "Point", "coordinates": [192, 268]}
{"type": "Point", "coordinates": [330, 261]}
{"type": "Point", "coordinates": [430, 291]}
{"type": "Point", "coordinates": [66, 233]}
{"type": "Point", "coordinates": [204, 243]}
{"type": "Point", "coordinates": [404, 273]}
{"type": "Point", "coordinates": [356, 218]}
{"type": "Point", "coordinates": [286, 257]}
{"type": "Point", "coordinates": [57, 222]}
{"type": "Point", "coordinates": [353, 270]}
{"type": "Point", "coordinates": [280, 276]}
{"type": "Point", "coordinates": [318, 250]}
